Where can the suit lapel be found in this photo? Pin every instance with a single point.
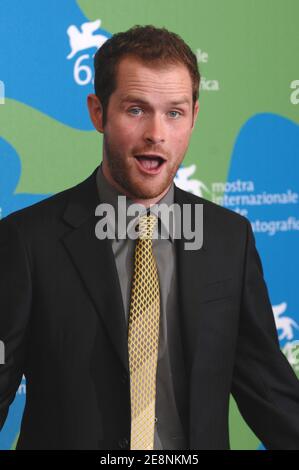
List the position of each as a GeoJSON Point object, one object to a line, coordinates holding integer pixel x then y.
{"type": "Point", "coordinates": [94, 261]}
{"type": "Point", "coordinates": [192, 266]}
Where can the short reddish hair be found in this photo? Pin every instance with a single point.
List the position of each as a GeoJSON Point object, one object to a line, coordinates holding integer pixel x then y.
{"type": "Point", "coordinates": [149, 44]}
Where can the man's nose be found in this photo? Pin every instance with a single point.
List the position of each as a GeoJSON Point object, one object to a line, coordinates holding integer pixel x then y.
{"type": "Point", "coordinates": [154, 130]}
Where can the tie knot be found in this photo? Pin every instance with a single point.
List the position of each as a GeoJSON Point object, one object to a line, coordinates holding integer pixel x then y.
{"type": "Point", "coordinates": [147, 225]}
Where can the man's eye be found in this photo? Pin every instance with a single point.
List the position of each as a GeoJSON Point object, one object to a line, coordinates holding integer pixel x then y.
{"type": "Point", "coordinates": [175, 114]}
{"type": "Point", "coordinates": [135, 111]}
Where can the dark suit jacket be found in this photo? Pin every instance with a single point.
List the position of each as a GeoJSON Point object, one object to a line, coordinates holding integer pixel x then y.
{"type": "Point", "coordinates": [63, 325]}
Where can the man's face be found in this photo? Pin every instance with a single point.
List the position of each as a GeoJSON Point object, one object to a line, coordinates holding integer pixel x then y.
{"type": "Point", "coordinates": [148, 128]}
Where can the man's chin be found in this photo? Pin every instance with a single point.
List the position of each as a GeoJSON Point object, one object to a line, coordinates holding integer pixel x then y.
{"type": "Point", "coordinates": [146, 193]}
{"type": "Point", "coordinates": [144, 189]}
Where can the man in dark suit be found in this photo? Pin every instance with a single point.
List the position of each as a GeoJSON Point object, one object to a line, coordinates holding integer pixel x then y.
{"type": "Point", "coordinates": [65, 293]}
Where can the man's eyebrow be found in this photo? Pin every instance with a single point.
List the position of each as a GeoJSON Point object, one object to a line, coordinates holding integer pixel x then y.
{"type": "Point", "coordinates": [136, 99]}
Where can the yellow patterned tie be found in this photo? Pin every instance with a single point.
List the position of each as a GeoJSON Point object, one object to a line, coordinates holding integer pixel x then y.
{"type": "Point", "coordinates": [143, 337]}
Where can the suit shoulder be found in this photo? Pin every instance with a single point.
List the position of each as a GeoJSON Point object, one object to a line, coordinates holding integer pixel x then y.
{"type": "Point", "coordinates": [42, 212]}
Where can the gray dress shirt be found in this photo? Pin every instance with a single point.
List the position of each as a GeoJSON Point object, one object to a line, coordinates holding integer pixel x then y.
{"type": "Point", "coordinates": [169, 432]}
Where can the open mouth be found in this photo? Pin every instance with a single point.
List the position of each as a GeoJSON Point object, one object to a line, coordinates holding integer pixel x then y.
{"type": "Point", "coordinates": [150, 162]}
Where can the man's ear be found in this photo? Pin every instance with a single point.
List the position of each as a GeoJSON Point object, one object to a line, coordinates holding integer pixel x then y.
{"type": "Point", "coordinates": [195, 113]}
{"type": "Point", "coordinates": [95, 112]}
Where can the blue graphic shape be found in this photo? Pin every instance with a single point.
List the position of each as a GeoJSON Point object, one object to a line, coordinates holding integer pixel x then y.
{"type": "Point", "coordinates": [10, 172]}
{"type": "Point", "coordinates": [267, 152]}
{"type": "Point", "coordinates": [33, 61]}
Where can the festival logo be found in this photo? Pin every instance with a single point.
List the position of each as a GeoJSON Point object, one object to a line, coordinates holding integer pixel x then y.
{"type": "Point", "coordinates": [88, 36]}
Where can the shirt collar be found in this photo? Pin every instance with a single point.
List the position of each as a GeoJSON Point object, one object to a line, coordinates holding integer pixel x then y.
{"type": "Point", "coordinates": [109, 195]}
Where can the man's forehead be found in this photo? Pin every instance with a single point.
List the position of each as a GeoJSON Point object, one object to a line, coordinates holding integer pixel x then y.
{"type": "Point", "coordinates": [133, 67]}
{"type": "Point", "coordinates": [135, 78]}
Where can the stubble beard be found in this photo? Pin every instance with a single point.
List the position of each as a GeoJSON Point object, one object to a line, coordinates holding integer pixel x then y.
{"type": "Point", "coordinates": [120, 173]}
